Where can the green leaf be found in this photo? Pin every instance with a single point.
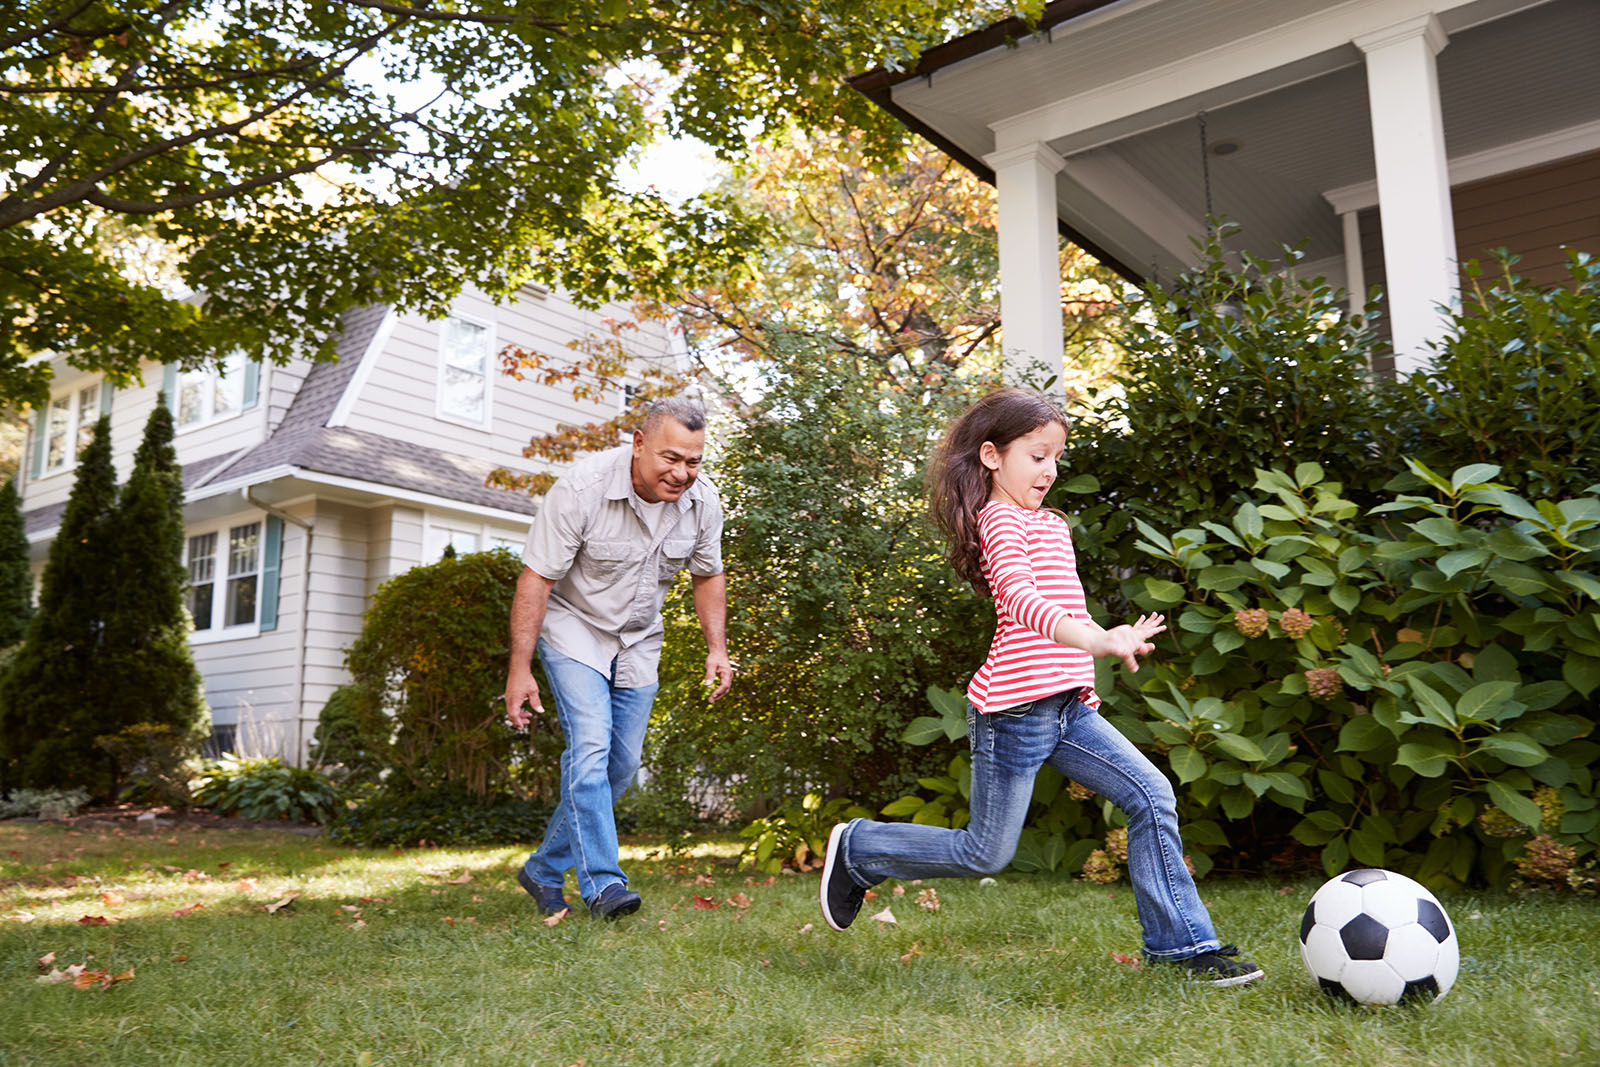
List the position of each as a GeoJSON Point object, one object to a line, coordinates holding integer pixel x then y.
{"type": "Point", "coordinates": [1586, 584]}
{"type": "Point", "coordinates": [1581, 672]}
{"type": "Point", "coordinates": [1081, 484]}
{"type": "Point", "coordinates": [1542, 696]}
{"type": "Point", "coordinates": [1435, 708]}
{"type": "Point", "coordinates": [1187, 764]}
{"type": "Point", "coordinates": [1515, 804]}
{"type": "Point", "coordinates": [1163, 592]}
{"type": "Point", "coordinates": [906, 805]}
{"type": "Point", "coordinates": [1482, 702]}
{"type": "Point", "coordinates": [1474, 473]}
{"type": "Point", "coordinates": [1337, 786]}
{"type": "Point", "coordinates": [1452, 563]}
{"type": "Point", "coordinates": [1427, 760]}
{"type": "Point", "coordinates": [1247, 520]}
{"type": "Point", "coordinates": [1514, 749]}
{"type": "Point", "coordinates": [1363, 734]}
{"type": "Point", "coordinates": [1307, 474]}
{"type": "Point", "coordinates": [923, 730]}
{"type": "Point", "coordinates": [1334, 856]}
{"type": "Point", "coordinates": [1367, 848]}
{"type": "Point", "coordinates": [1239, 747]}
{"type": "Point", "coordinates": [1345, 597]}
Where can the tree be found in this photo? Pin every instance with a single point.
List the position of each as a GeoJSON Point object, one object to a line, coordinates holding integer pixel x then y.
{"type": "Point", "coordinates": [16, 575]}
{"type": "Point", "coordinates": [56, 698]}
{"type": "Point", "coordinates": [268, 148]}
{"type": "Point", "coordinates": [146, 646]}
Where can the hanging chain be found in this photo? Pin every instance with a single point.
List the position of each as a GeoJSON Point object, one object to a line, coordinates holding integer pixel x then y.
{"type": "Point", "coordinates": [1205, 169]}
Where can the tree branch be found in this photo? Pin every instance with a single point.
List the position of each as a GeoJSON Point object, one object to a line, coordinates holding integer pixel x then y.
{"type": "Point", "coordinates": [8, 43]}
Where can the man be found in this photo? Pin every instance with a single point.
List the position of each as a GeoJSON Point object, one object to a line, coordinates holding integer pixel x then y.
{"type": "Point", "coordinates": [612, 534]}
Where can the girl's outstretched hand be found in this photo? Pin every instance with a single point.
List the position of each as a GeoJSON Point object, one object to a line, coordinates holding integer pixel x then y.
{"type": "Point", "coordinates": [1129, 642]}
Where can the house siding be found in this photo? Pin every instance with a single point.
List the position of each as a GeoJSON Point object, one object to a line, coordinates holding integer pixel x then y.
{"type": "Point", "coordinates": [1533, 213]}
{"type": "Point", "coordinates": [339, 550]}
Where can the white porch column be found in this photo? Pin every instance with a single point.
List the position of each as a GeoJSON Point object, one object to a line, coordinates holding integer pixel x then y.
{"type": "Point", "coordinates": [1030, 260]}
{"type": "Point", "coordinates": [1355, 271]}
{"type": "Point", "coordinates": [1419, 237]}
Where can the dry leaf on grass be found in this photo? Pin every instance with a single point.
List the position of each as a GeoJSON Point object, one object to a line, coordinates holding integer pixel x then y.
{"type": "Point", "coordinates": [886, 916]}
{"type": "Point", "coordinates": [247, 885]}
{"type": "Point", "coordinates": [188, 910]}
{"type": "Point", "coordinates": [871, 894]}
{"type": "Point", "coordinates": [704, 879]}
{"type": "Point", "coordinates": [928, 899]}
{"type": "Point", "coordinates": [20, 917]}
{"type": "Point", "coordinates": [61, 975]}
{"type": "Point", "coordinates": [899, 890]}
{"type": "Point", "coordinates": [916, 950]}
{"type": "Point", "coordinates": [740, 900]}
{"type": "Point", "coordinates": [94, 920]}
{"type": "Point", "coordinates": [46, 960]}
{"type": "Point", "coordinates": [112, 899]}
{"type": "Point", "coordinates": [279, 904]}
{"type": "Point", "coordinates": [706, 903]}
{"type": "Point", "coordinates": [555, 919]}
{"type": "Point", "coordinates": [461, 879]}
{"type": "Point", "coordinates": [1126, 960]}
{"type": "Point", "coordinates": [103, 979]}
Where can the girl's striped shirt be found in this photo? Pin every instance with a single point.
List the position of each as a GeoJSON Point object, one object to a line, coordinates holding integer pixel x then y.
{"type": "Point", "coordinates": [1031, 570]}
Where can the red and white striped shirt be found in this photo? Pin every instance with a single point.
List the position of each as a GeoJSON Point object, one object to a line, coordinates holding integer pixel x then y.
{"type": "Point", "coordinates": [1031, 570]}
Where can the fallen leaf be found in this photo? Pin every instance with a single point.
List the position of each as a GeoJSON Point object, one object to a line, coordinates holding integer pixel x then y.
{"type": "Point", "coordinates": [806, 929]}
{"type": "Point", "coordinates": [94, 920]}
{"type": "Point", "coordinates": [180, 959]}
{"type": "Point", "coordinates": [447, 919]}
{"type": "Point", "coordinates": [462, 879]}
{"type": "Point", "coordinates": [224, 865]}
{"type": "Point", "coordinates": [189, 910]}
{"type": "Point", "coordinates": [1124, 958]}
{"type": "Point", "coordinates": [247, 885]}
{"type": "Point", "coordinates": [46, 960]}
{"type": "Point", "coordinates": [871, 894]}
{"type": "Point", "coordinates": [661, 924]}
{"type": "Point", "coordinates": [704, 879]}
{"type": "Point", "coordinates": [192, 875]}
{"type": "Point", "coordinates": [112, 899]}
{"type": "Point", "coordinates": [476, 899]}
{"type": "Point", "coordinates": [916, 950]}
{"type": "Point", "coordinates": [740, 900]}
{"type": "Point", "coordinates": [553, 920]}
{"type": "Point", "coordinates": [899, 890]}
{"type": "Point", "coordinates": [706, 903]}
{"type": "Point", "coordinates": [886, 916]}
{"type": "Point", "coordinates": [928, 899]}
{"type": "Point", "coordinates": [279, 904]}
{"type": "Point", "coordinates": [1286, 890]}
{"type": "Point", "coordinates": [20, 917]}
{"type": "Point", "coordinates": [359, 924]}
{"type": "Point", "coordinates": [350, 907]}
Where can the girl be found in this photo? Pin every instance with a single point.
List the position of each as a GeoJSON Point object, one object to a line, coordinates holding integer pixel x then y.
{"type": "Point", "coordinates": [1033, 702]}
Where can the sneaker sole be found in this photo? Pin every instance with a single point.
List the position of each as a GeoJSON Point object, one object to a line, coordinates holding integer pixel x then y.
{"type": "Point", "coordinates": [620, 910]}
{"type": "Point", "coordinates": [1238, 979]}
{"type": "Point", "coordinates": [834, 837]}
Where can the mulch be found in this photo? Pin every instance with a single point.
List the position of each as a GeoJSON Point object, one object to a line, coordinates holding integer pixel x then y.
{"type": "Point", "coordinates": [126, 817]}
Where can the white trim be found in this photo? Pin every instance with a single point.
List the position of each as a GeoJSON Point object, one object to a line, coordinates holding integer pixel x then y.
{"type": "Point", "coordinates": [491, 330]}
{"type": "Point", "coordinates": [73, 394]}
{"type": "Point", "coordinates": [1355, 270]}
{"type": "Point", "coordinates": [358, 380]}
{"type": "Point", "coordinates": [1133, 197]}
{"type": "Point", "coordinates": [1489, 163]}
{"type": "Point", "coordinates": [1425, 26]}
{"type": "Point", "coordinates": [222, 527]}
{"type": "Point", "coordinates": [1318, 34]}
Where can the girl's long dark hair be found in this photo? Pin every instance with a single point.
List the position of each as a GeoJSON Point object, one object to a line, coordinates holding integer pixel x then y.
{"type": "Point", "coordinates": [959, 484]}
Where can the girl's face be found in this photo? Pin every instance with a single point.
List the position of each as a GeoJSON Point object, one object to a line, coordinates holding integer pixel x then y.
{"type": "Point", "coordinates": [1024, 469]}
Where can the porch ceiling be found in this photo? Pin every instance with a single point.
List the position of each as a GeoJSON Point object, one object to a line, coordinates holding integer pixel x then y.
{"type": "Point", "coordinates": [1133, 182]}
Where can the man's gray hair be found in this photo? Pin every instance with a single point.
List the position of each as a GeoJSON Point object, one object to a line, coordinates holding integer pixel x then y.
{"type": "Point", "coordinates": [683, 410]}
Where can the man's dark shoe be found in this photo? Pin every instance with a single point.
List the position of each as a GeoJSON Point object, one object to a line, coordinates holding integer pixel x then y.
{"type": "Point", "coordinates": [841, 897]}
{"type": "Point", "coordinates": [615, 901]}
{"type": "Point", "coordinates": [1219, 968]}
{"type": "Point", "coordinates": [548, 898]}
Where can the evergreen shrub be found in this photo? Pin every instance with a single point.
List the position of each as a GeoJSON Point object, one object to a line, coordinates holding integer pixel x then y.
{"type": "Point", "coordinates": [156, 763]}
{"type": "Point", "coordinates": [16, 572]}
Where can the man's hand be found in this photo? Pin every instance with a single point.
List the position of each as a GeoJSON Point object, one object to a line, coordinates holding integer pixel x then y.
{"type": "Point", "coordinates": [1129, 642]}
{"type": "Point", "coordinates": [719, 672]}
{"type": "Point", "coordinates": [522, 692]}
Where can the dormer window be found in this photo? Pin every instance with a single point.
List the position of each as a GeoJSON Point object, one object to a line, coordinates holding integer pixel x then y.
{"type": "Point", "coordinates": [211, 394]}
{"type": "Point", "coordinates": [464, 348]}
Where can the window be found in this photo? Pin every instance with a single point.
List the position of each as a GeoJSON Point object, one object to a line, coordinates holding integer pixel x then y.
{"type": "Point", "coordinates": [437, 538]}
{"type": "Point", "coordinates": [236, 607]}
{"type": "Point", "coordinates": [68, 427]}
{"type": "Point", "coordinates": [464, 371]}
{"type": "Point", "coordinates": [224, 738]}
{"type": "Point", "coordinates": [208, 395]}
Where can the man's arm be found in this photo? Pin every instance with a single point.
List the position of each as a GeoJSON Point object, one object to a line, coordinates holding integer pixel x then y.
{"type": "Point", "coordinates": [527, 619]}
{"type": "Point", "coordinates": [711, 604]}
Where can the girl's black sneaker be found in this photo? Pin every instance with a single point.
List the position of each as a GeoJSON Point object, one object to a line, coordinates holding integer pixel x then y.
{"type": "Point", "coordinates": [841, 897]}
{"type": "Point", "coordinates": [1220, 968]}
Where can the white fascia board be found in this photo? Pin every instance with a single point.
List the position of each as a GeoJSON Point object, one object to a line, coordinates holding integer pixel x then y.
{"type": "Point", "coordinates": [369, 359]}
{"type": "Point", "coordinates": [335, 481]}
{"type": "Point", "coordinates": [1330, 30]}
{"type": "Point", "coordinates": [1502, 159]}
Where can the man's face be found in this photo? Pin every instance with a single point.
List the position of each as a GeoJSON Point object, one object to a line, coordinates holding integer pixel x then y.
{"type": "Point", "coordinates": [666, 461]}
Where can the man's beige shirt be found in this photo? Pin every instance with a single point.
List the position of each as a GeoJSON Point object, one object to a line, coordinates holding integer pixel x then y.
{"type": "Point", "coordinates": [592, 538]}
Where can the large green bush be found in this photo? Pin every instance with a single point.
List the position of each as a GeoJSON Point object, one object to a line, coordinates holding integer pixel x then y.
{"type": "Point", "coordinates": [1409, 686]}
{"type": "Point", "coordinates": [428, 676]}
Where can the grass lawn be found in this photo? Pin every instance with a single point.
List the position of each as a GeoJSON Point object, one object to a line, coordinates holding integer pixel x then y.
{"type": "Point", "coordinates": [401, 958]}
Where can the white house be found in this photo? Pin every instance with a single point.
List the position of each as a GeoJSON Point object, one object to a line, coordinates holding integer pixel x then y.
{"type": "Point", "coordinates": [1397, 137]}
{"type": "Point", "coordinates": [309, 484]}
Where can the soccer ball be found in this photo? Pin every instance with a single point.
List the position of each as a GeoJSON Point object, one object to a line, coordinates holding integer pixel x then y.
{"type": "Point", "coordinates": [1378, 937]}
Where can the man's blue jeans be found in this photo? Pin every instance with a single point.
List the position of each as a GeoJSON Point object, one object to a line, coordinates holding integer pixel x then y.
{"type": "Point", "coordinates": [1008, 748]}
{"type": "Point", "coordinates": [604, 726]}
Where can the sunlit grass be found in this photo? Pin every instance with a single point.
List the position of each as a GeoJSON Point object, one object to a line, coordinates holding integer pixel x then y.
{"type": "Point", "coordinates": [435, 956]}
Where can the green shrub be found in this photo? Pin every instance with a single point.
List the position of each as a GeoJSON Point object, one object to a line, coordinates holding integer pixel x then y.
{"type": "Point", "coordinates": [797, 834]}
{"type": "Point", "coordinates": [1517, 381]}
{"type": "Point", "coordinates": [264, 788]}
{"type": "Point", "coordinates": [155, 761]}
{"type": "Point", "coordinates": [338, 743]}
{"type": "Point", "coordinates": [449, 816]}
{"type": "Point", "coordinates": [1390, 686]}
{"type": "Point", "coordinates": [42, 803]}
{"type": "Point", "coordinates": [429, 676]}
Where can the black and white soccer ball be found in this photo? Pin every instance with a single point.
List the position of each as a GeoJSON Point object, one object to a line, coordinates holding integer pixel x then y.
{"type": "Point", "coordinates": [1378, 937]}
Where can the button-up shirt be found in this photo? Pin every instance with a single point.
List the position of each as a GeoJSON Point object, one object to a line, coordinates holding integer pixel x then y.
{"type": "Point", "coordinates": [592, 537]}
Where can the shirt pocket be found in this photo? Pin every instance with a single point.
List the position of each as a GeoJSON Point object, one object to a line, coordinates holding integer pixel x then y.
{"type": "Point", "coordinates": [607, 561]}
{"type": "Point", "coordinates": [674, 555]}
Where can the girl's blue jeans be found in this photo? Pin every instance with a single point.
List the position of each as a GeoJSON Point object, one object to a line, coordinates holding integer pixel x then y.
{"type": "Point", "coordinates": [604, 725]}
{"type": "Point", "coordinates": [1008, 748]}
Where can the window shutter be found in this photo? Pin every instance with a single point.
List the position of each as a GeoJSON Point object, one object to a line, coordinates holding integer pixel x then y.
{"type": "Point", "coordinates": [39, 419]}
{"type": "Point", "coordinates": [107, 391]}
{"type": "Point", "coordinates": [169, 385]}
{"type": "Point", "coordinates": [271, 557]}
{"type": "Point", "coordinates": [252, 384]}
